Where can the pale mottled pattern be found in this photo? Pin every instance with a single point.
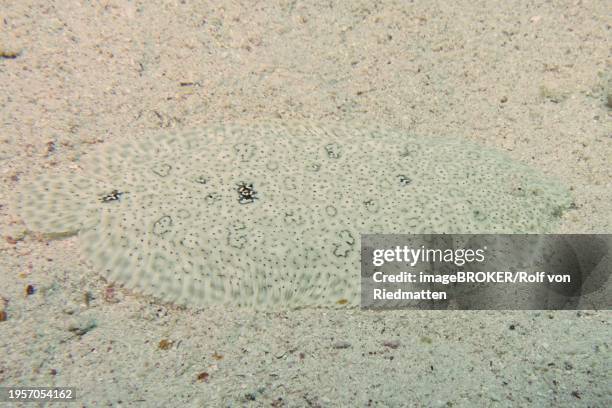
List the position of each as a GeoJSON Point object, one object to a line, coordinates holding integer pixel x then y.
{"type": "Point", "coordinates": [164, 214]}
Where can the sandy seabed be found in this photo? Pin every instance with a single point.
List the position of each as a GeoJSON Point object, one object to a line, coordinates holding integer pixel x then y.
{"type": "Point", "coordinates": [528, 78]}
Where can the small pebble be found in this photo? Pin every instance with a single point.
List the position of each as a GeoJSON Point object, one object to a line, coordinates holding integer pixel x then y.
{"type": "Point", "coordinates": [87, 298]}
{"type": "Point", "coordinates": [110, 294]}
{"type": "Point", "coordinates": [9, 53]}
{"type": "Point", "coordinates": [391, 344]}
{"type": "Point", "coordinates": [70, 308]}
{"type": "Point", "coordinates": [165, 344]}
{"type": "Point", "coordinates": [11, 240]}
{"type": "Point", "coordinates": [342, 345]}
{"type": "Point", "coordinates": [608, 91]}
{"type": "Point", "coordinates": [82, 326]}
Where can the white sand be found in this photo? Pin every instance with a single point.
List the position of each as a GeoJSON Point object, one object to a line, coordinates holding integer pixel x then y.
{"type": "Point", "coordinates": [527, 79]}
